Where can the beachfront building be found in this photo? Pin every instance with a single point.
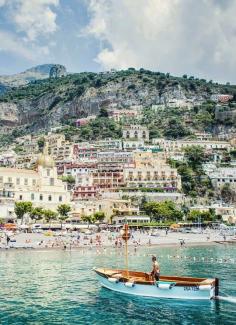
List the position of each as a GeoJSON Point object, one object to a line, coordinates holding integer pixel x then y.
{"type": "Point", "coordinates": [151, 171]}
{"type": "Point", "coordinates": [41, 186]}
{"type": "Point", "coordinates": [137, 132]}
{"type": "Point", "coordinates": [136, 219]}
{"type": "Point", "coordinates": [110, 207]}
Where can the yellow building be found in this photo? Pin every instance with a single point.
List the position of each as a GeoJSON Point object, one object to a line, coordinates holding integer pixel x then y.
{"type": "Point", "coordinates": [151, 171]}
{"type": "Point", "coordinates": [58, 147]}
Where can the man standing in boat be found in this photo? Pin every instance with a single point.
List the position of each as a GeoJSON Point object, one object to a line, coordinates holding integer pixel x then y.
{"type": "Point", "coordinates": [155, 269]}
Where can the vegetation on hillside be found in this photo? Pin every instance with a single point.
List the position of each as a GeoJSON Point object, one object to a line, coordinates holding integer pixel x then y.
{"type": "Point", "coordinates": [194, 181]}
{"type": "Point", "coordinates": [171, 122]}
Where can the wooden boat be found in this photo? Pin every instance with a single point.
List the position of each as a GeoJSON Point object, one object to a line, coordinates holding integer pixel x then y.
{"type": "Point", "coordinates": [142, 284]}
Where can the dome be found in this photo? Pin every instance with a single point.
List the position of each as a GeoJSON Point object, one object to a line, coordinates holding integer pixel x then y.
{"type": "Point", "coordinates": [45, 161]}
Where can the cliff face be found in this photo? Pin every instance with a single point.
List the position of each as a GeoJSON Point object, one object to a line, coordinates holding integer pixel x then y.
{"type": "Point", "coordinates": [42, 105]}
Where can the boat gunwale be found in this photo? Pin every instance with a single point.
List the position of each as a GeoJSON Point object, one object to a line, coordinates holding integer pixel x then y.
{"type": "Point", "coordinates": [185, 282]}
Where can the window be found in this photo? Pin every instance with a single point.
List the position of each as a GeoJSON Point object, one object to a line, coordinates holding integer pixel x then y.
{"type": "Point", "coordinates": [1, 179]}
{"type": "Point", "coordinates": [20, 197]}
{"type": "Point", "coordinates": [51, 181]}
{"type": "Point", "coordinates": [60, 198]}
{"type": "Point", "coordinates": [9, 179]}
{"type": "Point", "coordinates": [32, 196]}
{"type": "Point", "coordinates": [41, 197]}
{"type": "Point", "coordinates": [34, 182]}
{"type": "Point", "coordinates": [18, 181]}
{"type": "Point", "coordinates": [49, 198]}
{"type": "Point", "coordinates": [48, 172]}
{"type": "Point", "coordinates": [25, 181]}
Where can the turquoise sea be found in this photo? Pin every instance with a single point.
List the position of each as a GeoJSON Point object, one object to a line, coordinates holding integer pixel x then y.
{"type": "Point", "coordinates": [59, 287]}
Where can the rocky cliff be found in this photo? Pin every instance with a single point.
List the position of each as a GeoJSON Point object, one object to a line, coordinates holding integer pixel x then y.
{"type": "Point", "coordinates": [43, 104]}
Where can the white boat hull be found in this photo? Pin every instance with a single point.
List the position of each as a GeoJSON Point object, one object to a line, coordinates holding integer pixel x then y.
{"type": "Point", "coordinates": [154, 291]}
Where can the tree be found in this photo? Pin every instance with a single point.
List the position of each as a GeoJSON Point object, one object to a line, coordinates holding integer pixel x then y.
{"type": "Point", "coordinates": [193, 215]}
{"type": "Point", "coordinates": [21, 208]}
{"type": "Point", "coordinates": [36, 213]}
{"type": "Point", "coordinates": [163, 210]}
{"type": "Point", "coordinates": [41, 142]}
{"type": "Point", "coordinates": [49, 215]}
{"type": "Point", "coordinates": [99, 216]}
{"type": "Point", "coordinates": [195, 156]}
{"type": "Point", "coordinates": [68, 178]}
{"type": "Point", "coordinates": [227, 193]}
{"type": "Point", "coordinates": [143, 202]}
{"type": "Point", "coordinates": [196, 215]}
{"type": "Point", "coordinates": [87, 219]}
{"type": "Point", "coordinates": [63, 210]}
{"type": "Point", "coordinates": [103, 112]}
{"type": "Point", "coordinates": [175, 129]}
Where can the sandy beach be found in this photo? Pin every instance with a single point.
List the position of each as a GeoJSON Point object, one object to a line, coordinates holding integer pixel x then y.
{"type": "Point", "coordinates": [75, 240]}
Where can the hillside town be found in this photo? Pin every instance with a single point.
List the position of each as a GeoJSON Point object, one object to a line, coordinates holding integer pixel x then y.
{"type": "Point", "coordinates": [112, 179]}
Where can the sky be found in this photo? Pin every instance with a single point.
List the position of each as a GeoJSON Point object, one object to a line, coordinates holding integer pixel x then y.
{"type": "Point", "coordinates": [194, 37]}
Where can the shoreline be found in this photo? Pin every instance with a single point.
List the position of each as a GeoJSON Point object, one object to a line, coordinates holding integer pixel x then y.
{"type": "Point", "coordinates": [101, 248]}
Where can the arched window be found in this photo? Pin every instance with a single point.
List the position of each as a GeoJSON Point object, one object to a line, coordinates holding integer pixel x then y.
{"type": "Point", "coordinates": [49, 198]}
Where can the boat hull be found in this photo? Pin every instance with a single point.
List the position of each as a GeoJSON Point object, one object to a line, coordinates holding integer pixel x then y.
{"type": "Point", "coordinates": [154, 291]}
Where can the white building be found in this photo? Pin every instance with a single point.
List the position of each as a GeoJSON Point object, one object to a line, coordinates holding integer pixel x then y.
{"type": "Point", "coordinates": [131, 219]}
{"type": "Point", "coordinates": [40, 186]}
{"type": "Point", "coordinates": [221, 176]}
{"type": "Point", "coordinates": [178, 145]}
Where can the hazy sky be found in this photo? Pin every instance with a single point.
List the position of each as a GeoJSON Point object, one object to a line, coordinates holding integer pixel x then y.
{"type": "Point", "coordinates": [197, 37]}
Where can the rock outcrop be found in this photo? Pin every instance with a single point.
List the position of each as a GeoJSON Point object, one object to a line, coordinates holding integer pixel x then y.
{"type": "Point", "coordinates": [36, 73]}
{"type": "Point", "coordinates": [57, 71]}
{"type": "Point", "coordinates": [51, 102]}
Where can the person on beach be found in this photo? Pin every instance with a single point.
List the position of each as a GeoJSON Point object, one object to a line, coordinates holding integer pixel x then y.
{"type": "Point", "coordinates": [155, 269]}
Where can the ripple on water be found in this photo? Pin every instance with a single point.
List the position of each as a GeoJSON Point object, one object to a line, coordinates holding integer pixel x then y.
{"type": "Point", "coordinates": [60, 288]}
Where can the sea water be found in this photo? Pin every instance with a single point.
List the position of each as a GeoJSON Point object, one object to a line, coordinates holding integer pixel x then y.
{"type": "Point", "coordinates": [59, 287]}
